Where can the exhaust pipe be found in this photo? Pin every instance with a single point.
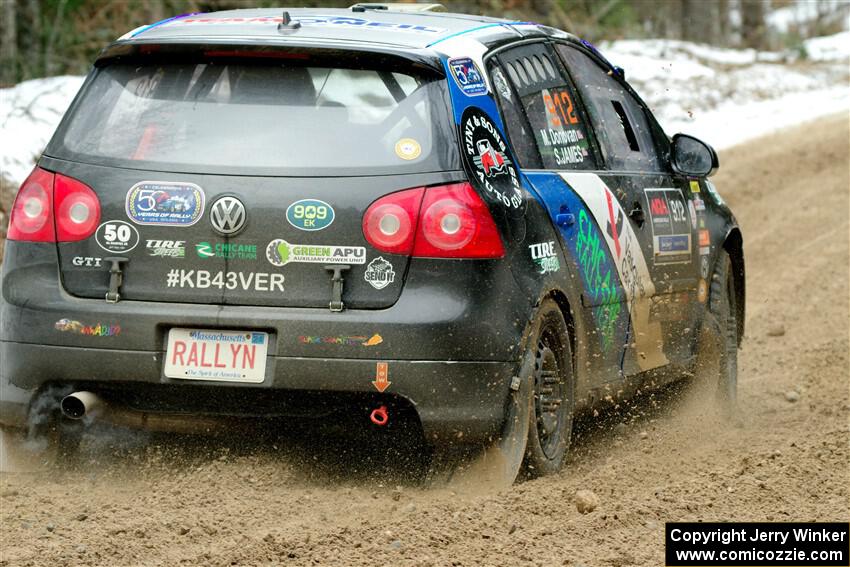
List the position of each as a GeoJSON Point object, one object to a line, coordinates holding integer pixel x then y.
{"type": "Point", "coordinates": [80, 404]}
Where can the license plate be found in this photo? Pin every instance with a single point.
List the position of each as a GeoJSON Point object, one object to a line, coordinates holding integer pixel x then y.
{"type": "Point", "coordinates": [225, 356]}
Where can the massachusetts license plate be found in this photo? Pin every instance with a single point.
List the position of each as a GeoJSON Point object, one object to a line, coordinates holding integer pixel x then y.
{"type": "Point", "coordinates": [226, 356]}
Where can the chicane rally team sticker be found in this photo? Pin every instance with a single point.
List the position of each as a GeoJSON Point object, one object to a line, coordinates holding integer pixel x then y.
{"type": "Point", "coordinates": [487, 160]}
{"type": "Point", "coordinates": [117, 236]}
{"type": "Point", "coordinates": [279, 252]}
{"type": "Point", "coordinates": [310, 214]}
{"type": "Point", "coordinates": [165, 203]}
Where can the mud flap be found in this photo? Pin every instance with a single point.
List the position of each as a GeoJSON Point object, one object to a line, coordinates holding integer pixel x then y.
{"type": "Point", "coordinates": [496, 466]}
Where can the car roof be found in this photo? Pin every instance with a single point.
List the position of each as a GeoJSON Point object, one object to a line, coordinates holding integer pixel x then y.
{"type": "Point", "coordinates": [401, 29]}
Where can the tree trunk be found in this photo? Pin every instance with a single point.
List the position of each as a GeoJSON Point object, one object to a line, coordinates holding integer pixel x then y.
{"type": "Point", "coordinates": [8, 43]}
{"type": "Point", "coordinates": [752, 23]}
{"type": "Point", "coordinates": [700, 21]}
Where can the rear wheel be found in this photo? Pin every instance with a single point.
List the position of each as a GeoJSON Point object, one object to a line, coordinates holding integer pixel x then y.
{"type": "Point", "coordinates": [538, 416]}
{"type": "Point", "coordinates": [551, 418]}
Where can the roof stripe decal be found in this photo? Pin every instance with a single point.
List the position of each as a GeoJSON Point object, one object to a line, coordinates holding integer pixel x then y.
{"type": "Point", "coordinates": [485, 26]}
{"type": "Point", "coordinates": [165, 21]}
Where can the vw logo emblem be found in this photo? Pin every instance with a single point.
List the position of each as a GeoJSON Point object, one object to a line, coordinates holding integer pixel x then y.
{"type": "Point", "coordinates": [228, 215]}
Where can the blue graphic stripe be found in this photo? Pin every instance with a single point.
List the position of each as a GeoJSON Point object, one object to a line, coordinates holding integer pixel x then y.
{"type": "Point", "coordinates": [485, 26]}
{"type": "Point", "coordinates": [165, 21]}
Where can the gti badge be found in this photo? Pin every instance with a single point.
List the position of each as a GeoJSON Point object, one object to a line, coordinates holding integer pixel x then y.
{"type": "Point", "coordinates": [228, 216]}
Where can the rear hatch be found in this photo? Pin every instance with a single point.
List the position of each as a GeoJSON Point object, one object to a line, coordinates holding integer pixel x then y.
{"type": "Point", "coordinates": [236, 176]}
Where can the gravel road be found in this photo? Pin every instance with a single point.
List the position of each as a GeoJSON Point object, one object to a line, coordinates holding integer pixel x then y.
{"type": "Point", "coordinates": [664, 457]}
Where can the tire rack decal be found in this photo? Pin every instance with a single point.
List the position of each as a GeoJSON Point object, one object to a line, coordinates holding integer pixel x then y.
{"type": "Point", "coordinates": [629, 260]}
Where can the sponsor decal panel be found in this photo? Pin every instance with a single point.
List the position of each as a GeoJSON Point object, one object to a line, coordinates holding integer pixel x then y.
{"type": "Point", "coordinates": [117, 236]}
{"type": "Point", "coordinates": [165, 203]}
{"type": "Point", "coordinates": [467, 76]}
{"type": "Point", "coordinates": [279, 252]}
{"type": "Point", "coordinates": [86, 261]}
{"type": "Point", "coordinates": [671, 227]}
{"type": "Point", "coordinates": [166, 248]}
{"type": "Point", "coordinates": [487, 161]}
{"type": "Point", "coordinates": [629, 262]}
{"type": "Point", "coordinates": [543, 254]}
{"type": "Point", "coordinates": [228, 250]}
{"type": "Point", "coordinates": [343, 340]}
{"type": "Point", "coordinates": [310, 214]}
{"type": "Point", "coordinates": [379, 273]}
{"type": "Point", "coordinates": [95, 330]}
{"type": "Point", "coordinates": [204, 279]}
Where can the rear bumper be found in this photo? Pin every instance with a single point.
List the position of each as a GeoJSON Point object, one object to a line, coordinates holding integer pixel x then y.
{"type": "Point", "coordinates": [452, 399]}
{"type": "Point", "coordinates": [451, 342]}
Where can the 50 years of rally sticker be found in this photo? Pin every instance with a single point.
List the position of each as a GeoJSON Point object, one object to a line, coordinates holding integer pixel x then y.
{"type": "Point", "coordinates": [165, 203]}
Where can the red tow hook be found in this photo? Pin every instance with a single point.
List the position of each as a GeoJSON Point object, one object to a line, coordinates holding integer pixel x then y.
{"type": "Point", "coordinates": [379, 416]}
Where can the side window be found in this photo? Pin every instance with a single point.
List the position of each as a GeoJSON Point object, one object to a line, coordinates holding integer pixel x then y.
{"type": "Point", "coordinates": [518, 129]}
{"type": "Point", "coordinates": [621, 122]}
{"type": "Point", "coordinates": [548, 99]}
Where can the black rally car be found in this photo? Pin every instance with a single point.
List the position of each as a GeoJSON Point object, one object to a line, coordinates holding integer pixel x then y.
{"type": "Point", "coordinates": [471, 224]}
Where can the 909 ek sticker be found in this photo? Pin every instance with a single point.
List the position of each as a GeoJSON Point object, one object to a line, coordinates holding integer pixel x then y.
{"type": "Point", "coordinates": [310, 214]}
{"type": "Point", "coordinates": [165, 203]}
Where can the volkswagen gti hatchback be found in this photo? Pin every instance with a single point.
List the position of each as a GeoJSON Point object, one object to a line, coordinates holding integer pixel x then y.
{"type": "Point", "coordinates": [469, 225]}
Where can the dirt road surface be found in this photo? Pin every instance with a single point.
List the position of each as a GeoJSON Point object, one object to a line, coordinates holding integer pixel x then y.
{"type": "Point", "coordinates": [669, 458]}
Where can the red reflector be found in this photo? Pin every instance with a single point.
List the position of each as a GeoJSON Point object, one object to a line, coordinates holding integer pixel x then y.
{"type": "Point", "coordinates": [32, 214]}
{"type": "Point", "coordinates": [77, 209]}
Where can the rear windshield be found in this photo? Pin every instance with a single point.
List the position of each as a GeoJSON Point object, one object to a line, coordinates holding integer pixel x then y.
{"type": "Point", "coordinates": [241, 117]}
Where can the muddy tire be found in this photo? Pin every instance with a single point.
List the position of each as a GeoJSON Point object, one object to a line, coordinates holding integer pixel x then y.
{"type": "Point", "coordinates": [552, 404]}
{"type": "Point", "coordinates": [723, 327]}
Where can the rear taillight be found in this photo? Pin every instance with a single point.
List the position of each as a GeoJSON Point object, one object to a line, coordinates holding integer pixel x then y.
{"type": "Point", "coordinates": [32, 213]}
{"type": "Point", "coordinates": [448, 221]}
{"type": "Point", "coordinates": [77, 209]}
{"type": "Point", "coordinates": [390, 222]}
{"type": "Point", "coordinates": [52, 205]}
